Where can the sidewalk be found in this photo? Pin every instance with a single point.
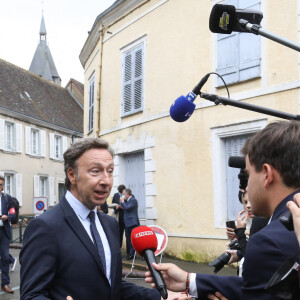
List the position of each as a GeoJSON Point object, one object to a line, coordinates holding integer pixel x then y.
{"type": "Point", "coordinates": [139, 266]}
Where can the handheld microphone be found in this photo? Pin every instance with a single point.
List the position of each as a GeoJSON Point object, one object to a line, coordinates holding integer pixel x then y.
{"type": "Point", "coordinates": [237, 162]}
{"type": "Point", "coordinates": [144, 241]}
{"type": "Point", "coordinates": [183, 107]}
{"type": "Point", "coordinates": [226, 18]}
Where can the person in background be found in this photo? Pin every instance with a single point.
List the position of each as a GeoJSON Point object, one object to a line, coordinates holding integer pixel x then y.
{"type": "Point", "coordinates": [7, 212]}
{"type": "Point", "coordinates": [119, 210]}
{"type": "Point", "coordinates": [131, 219]}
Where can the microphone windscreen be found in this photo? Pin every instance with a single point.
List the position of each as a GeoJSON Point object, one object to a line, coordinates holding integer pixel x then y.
{"type": "Point", "coordinates": [143, 238]}
{"type": "Point", "coordinates": [237, 162]}
{"type": "Point", "coordinates": [222, 18]}
{"type": "Point", "coordinates": [182, 109]}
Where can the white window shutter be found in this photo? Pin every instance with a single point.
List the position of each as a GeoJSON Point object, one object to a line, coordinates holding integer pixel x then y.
{"type": "Point", "coordinates": [2, 139]}
{"type": "Point", "coordinates": [43, 143]}
{"type": "Point", "coordinates": [28, 140]}
{"type": "Point", "coordinates": [36, 186]}
{"type": "Point", "coordinates": [19, 188]}
{"type": "Point", "coordinates": [52, 145]}
{"type": "Point", "coordinates": [51, 191]}
{"type": "Point", "coordinates": [19, 138]}
{"type": "Point", "coordinates": [64, 145]}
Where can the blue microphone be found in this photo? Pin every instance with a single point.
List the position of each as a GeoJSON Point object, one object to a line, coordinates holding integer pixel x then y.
{"type": "Point", "coordinates": [183, 107]}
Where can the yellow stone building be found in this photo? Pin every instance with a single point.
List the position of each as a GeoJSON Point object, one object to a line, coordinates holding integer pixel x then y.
{"type": "Point", "coordinates": [138, 58]}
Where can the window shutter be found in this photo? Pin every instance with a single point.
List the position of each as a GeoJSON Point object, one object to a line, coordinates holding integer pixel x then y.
{"type": "Point", "coordinates": [138, 78]}
{"type": "Point", "coordinates": [36, 186]}
{"type": "Point", "coordinates": [250, 57]}
{"type": "Point", "coordinates": [239, 53]}
{"type": "Point", "coordinates": [19, 138]}
{"type": "Point", "coordinates": [51, 191]}
{"type": "Point", "coordinates": [2, 124]}
{"type": "Point", "coordinates": [28, 140]}
{"type": "Point", "coordinates": [127, 83]}
{"type": "Point", "coordinates": [43, 143]}
{"type": "Point", "coordinates": [19, 188]}
{"type": "Point", "coordinates": [64, 146]}
{"type": "Point", "coordinates": [52, 145]}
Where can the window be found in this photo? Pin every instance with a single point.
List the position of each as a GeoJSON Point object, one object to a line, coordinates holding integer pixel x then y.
{"type": "Point", "coordinates": [91, 103]}
{"type": "Point", "coordinates": [233, 146]}
{"type": "Point", "coordinates": [44, 187]}
{"type": "Point", "coordinates": [13, 184]}
{"type": "Point", "coordinates": [10, 136]}
{"type": "Point", "coordinates": [239, 55]}
{"type": "Point", "coordinates": [58, 145]}
{"type": "Point", "coordinates": [133, 79]}
{"type": "Point", "coordinates": [227, 141]}
{"type": "Point", "coordinates": [35, 141]}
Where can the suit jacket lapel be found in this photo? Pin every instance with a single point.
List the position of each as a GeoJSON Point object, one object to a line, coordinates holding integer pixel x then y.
{"type": "Point", "coordinates": [72, 220]}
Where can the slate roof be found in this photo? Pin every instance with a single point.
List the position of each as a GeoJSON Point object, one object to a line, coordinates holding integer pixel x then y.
{"type": "Point", "coordinates": [26, 96]}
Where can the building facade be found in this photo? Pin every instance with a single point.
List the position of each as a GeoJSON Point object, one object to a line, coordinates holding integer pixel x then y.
{"type": "Point", "coordinates": [38, 121]}
{"type": "Point", "coordinates": [142, 55]}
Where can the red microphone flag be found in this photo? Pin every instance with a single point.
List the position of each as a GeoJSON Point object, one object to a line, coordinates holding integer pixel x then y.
{"type": "Point", "coordinates": [143, 238]}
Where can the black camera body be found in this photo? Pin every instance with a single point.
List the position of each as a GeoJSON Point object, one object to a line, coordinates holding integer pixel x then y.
{"type": "Point", "coordinates": [224, 258]}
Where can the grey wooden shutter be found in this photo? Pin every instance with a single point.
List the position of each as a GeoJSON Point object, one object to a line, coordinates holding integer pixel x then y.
{"type": "Point", "coordinates": [133, 73]}
{"type": "Point", "coordinates": [239, 53]}
{"type": "Point", "coordinates": [127, 83]}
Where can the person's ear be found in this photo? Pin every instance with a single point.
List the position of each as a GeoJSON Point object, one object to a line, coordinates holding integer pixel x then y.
{"type": "Point", "coordinates": [268, 175]}
{"type": "Point", "coordinates": [72, 175]}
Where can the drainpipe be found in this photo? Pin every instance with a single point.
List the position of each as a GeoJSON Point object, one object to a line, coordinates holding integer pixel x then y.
{"type": "Point", "coordinates": [101, 30]}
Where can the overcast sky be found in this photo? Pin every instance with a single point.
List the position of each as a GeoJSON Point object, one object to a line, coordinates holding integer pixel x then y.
{"type": "Point", "coordinates": [67, 24]}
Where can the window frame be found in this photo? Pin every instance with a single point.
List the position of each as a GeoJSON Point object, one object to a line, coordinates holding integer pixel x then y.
{"type": "Point", "coordinates": [219, 162]}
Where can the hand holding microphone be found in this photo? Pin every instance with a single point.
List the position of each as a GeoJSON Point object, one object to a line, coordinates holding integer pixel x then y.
{"type": "Point", "coordinates": [144, 241]}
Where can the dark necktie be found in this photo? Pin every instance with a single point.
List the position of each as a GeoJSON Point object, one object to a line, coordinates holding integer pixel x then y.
{"type": "Point", "coordinates": [97, 239]}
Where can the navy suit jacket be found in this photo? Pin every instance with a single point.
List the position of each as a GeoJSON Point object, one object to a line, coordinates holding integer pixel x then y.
{"type": "Point", "coordinates": [6, 205]}
{"type": "Point", "coordinates": [59, 259]}
{"type": "Point", "coordinates": [266, 251]}
{"type": "Point", "coordinates": [131, 212]}
{"type": "Point", "coordinates": [116, 199]}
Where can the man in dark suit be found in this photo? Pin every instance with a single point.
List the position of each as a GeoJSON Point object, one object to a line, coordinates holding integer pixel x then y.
{"type": "Point", "coordinates": [131, 219]}
{"type": "Point", "coordinates": [7, 213]}
{"type": "Point", "coordinates": [119, 210]}
{"type": "Point", "coordinates": [72, 249]}
{"type": "Point", "coordinates": [272, 164]}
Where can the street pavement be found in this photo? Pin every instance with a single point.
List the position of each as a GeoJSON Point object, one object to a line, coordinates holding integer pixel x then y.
{"type": "Point", "coordinates": [134, 275]}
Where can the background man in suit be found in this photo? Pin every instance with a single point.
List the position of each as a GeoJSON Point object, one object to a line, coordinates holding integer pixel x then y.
{"type": "Point", "coordinates": [272, 164]}
{"type": "Point", "coordinates": [119, 210]}
{"type": "Point", "coordinates": [7, 213]}
{"type": "Point", "coordinates": [73, 250]}
{"type": "Point", "coordinates": [131, 219]}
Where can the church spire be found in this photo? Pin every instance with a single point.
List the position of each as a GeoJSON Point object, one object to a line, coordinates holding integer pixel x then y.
{"type": "Point", "coordinates": [42, 63]}
{"type": "Point", "coordinates": [43, 32]}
